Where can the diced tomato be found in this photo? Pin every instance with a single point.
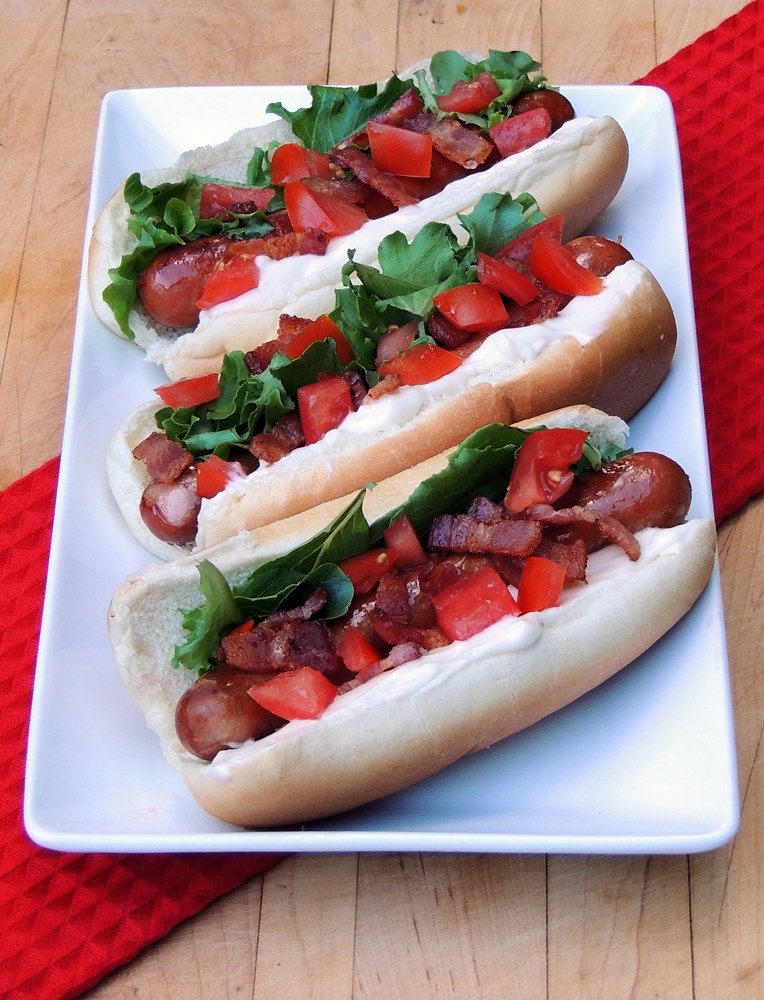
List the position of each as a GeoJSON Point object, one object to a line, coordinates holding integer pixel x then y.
{"type": "Point", "coordinates": [473, 603]}
{"type": "Point", "coordinates": [235, 274]}
{"type": "Point", "coordinates": [469, 96]}
{"type": "Point", "coordinates": [505, 279]}
{"type": "Point", "coordinates": [541, 583]}
{"type": "Point", "coordinates": [421, 364]}
{"type": "Point", "coordinates": [303, 693]}
{"type": "Point", "coordinates": [214, 474]}
{"type": "Point", "coordinates": [399, 150]}
{"type": "Point", "coordinates": [246, 626]}
{"type": "Point", "coordinates": [521, 131]}
{"type": "Point", "coordinates": [541, 473]}
{"type": "Point", "coordinates": [356, 652]}
{"type": "Point", "coordinates": [519, 248]}
{"type": "Point", "coordinates": [318, 210]}
{"type": "Point", "coordinates": [367, 568]}
{"type": "Point", "coordinates": [404, 541]}
{"type": "Point", "coordinates": [190, 391]}
{"type": "Point", "coordinates": [320, 329]}
{"type": "Point", "coordinates": [292, 162]}
{"type": "Point", "coordinates": [475, 308]}
{"type": "Point", "coordinates": [217, 200]}
{"type": "Point", "coordinates": [323, 405]}
{"type": "Point", "coordinates": [557, 267]}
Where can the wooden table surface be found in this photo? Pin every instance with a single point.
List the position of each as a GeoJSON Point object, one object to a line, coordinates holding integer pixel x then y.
{"type": "Point", "coordinates": [370, 925]}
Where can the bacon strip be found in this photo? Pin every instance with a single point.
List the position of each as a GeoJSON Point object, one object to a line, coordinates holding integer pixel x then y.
{"type": "Point", "coordinates": [463, 533]}
{"type": "Point", "coordinates": [286, 435]}
{"type": "Point", "coordinates": [385, 184]}
{"type": "Point", "coordinates": [609, 527]}
{"type": "Point", "coordinates": [269, 650]}
{"type": "Point", "coordinates": [165, 459]}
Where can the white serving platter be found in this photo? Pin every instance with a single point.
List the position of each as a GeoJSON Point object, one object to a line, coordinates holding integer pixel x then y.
{"type": "Point", "coordinates": [644, 764]}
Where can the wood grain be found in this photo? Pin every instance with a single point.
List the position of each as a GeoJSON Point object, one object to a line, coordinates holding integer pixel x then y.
{"type": "Point", "coordinates": [376, 925]}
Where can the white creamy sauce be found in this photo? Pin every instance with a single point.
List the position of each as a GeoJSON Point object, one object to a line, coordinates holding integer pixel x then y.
{"type": "Point", "coordinates": [505, 637]}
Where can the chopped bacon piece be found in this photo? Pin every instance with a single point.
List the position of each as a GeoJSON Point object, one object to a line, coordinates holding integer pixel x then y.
{"type": "Point", "coordinates": [308, 609]}
{"type": "Point", "coordinates": [457, 142]}
{"type": "Point", "coordinates": [385, 184]}
{"type": "Point", "coordinates": [445, 333]}
{"type": "Point", "coordinates": [402, 110]}
{"type": "Point", "coordinates": [357, 386]}
{"type": "Point", "coordinates": [165, 459]}
{"type": "Point", "coordinates": [258, 359]}
{"type": "Point", "coordinates": [572, 555]}
{"type": "Point", "coordinates": [286, 435]}
{"type": "Point", "coordinates": [609, 527]}
{"type": "Point", "coordinates": [268, 650]}
{"type": "Point", "coordinates": [387, 384]}
{"type": "Point", "coordinates": [462, 533]}
{"type": "Point", "coordinates": [312, 241]}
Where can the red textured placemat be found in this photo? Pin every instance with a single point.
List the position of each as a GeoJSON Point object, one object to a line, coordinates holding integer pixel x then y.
{"type": "Point", "coordinates": [716, 86]}
{"type": "Point", "coordinates": [68, 919]}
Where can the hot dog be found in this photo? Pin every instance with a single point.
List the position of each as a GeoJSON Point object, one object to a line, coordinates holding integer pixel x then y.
{"type": "Point", "coordinates": [333, 726]}
{"type": "Point", "coordinates": [243, 219]}
{"type": "Point", "coordinates": [412, 358]}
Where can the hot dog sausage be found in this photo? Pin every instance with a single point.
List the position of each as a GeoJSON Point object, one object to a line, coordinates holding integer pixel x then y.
{"type": "Point", "coordinates": [216, 712]}
{"type": "Point", "coordinates": [559, 108]}
{"type": "Point", "coordinates": [640, 491]}
{"type": "Point", "coordinates": [173, 282]}
{"type": "Point", "coordinates": [170, 510]}
{"type": "Point", "coordinates": [598, 254]}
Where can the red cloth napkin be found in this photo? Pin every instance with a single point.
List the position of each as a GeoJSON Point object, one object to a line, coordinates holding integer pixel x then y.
{"type": "Point", "coordinates": [69, 919]}
{"type": "Point", "coordinates": [717, 90]}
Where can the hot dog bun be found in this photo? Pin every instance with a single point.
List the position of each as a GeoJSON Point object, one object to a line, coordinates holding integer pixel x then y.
{"type": "Point", "coordinates": [611, 350]}
{"type": "Point", "coordinates": [576, 171]}
{"type": "Point", "coordinates": [405, 725]}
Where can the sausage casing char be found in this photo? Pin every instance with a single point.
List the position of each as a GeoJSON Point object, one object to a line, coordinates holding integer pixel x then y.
{"type": "Point", "coordinates": [640, 490]}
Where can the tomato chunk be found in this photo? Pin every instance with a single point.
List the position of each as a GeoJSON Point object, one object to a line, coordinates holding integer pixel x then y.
{"type": "Point", "coordinates": [320, 329]}
{"type": "Point", "coordinates": [303, 693]}
{"type": "Point", "coordinates": [214, 474]}
{"type": "Point", "coordinates": [318, 210]}
{"type": "Point", "coordinates": [541, 473]}
{"type": "Point", "coordinates": [557, 267]}
{"type": "Point", "coordinates": [541, 584]}
{"type": "Point", "coordinates": [421, 364]}
{"type": "Point", "coordinates": [356, 652]}
{"type": "Point", "coordinates": [235, 274]}
{"type": "Point", "coordinates": [521, 131]}
{"type": "Point", "coordinates": [323, 405]}
{"type": "Point", "coordinates": [475, 308]}
{"type": "Point", "coordinates": [505, 279]}
{"type": "Point", "coordinates": [367, 568]}
{"type": "Point", "coordinates": [221, 200]}
{"type": "Point", "coordinates": [469, 96]}
{"type": "Point", "coordinates": [190, 391]}
{"type": "Point", "coordinates": [292, 162]}
{"type": "Point", "coordinates": [519, 249]}
{"type": "Point", "coordinates": [404, 541]}
{"type": "Point", "coordinates": [473, 603]}
{"type": "Point", "coordinates": [399, 150]}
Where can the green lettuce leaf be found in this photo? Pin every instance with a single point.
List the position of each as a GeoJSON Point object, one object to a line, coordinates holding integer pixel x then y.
{"type": "Point", "coordinates": [336, 113]}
